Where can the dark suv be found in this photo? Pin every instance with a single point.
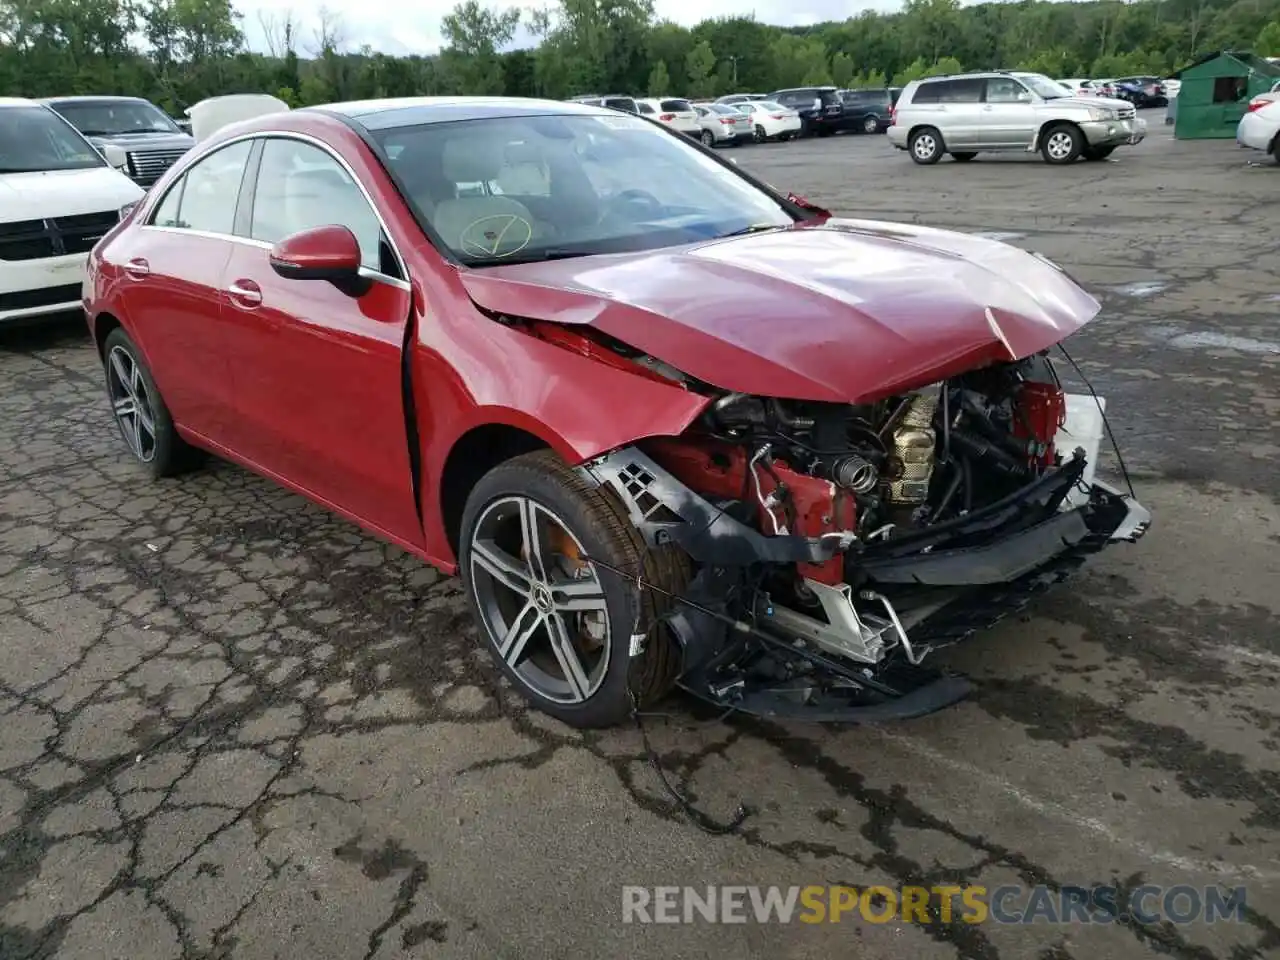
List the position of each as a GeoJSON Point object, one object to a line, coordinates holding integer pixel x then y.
{"type": "Point", "coordinates": [870, 111]}
{"type": "Point", "coordinates": [821, 109]}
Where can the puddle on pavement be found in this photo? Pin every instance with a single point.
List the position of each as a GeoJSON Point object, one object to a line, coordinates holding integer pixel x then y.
{"type": "Point", "coordinates": [1140, 288]}
{"type": "Point", "coordinates": [1205, 340]}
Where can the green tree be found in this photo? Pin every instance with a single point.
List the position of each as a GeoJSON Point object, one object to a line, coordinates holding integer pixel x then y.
{"type": "Point", "coordinates": [659, 80]}
{"type": "Point", "coordinates": [474, 35]}
{"type": "Point", "coordinates": [699, 65]}
{"type": "Point", "coordinates": [1268, 42]}
{"type": "Point", "coordinates": [842, 70]}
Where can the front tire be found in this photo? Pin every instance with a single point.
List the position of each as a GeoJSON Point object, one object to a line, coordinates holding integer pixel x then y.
{"type": "Point", "coordinates": [1062, 144]}
{"type": "Point", "coordinates": [140, 412]}
{"type": "Point", "coordinates": [560, 627]}
{"type": "Point", "coordinates": [926, 146]}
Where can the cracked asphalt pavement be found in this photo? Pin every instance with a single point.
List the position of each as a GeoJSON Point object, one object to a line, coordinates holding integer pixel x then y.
{"type": "Point", "coordinates": [232, 725]}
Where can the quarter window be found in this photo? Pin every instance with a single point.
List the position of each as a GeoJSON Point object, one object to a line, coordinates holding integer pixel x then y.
{"type": "Point", "coordinates": [300, 187]}
{"type": "Point", "coordinates": [205, 197]}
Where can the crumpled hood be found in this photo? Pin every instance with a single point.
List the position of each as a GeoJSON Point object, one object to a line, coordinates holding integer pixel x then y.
{"type": "Point", "coordinates": [64, 193]}
{"type": "Point", "coordinates": [848, 311]}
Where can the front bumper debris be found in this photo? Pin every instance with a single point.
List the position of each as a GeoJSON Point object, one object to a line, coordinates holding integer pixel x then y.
{"type": "Point", "coordinates": [859, 661]}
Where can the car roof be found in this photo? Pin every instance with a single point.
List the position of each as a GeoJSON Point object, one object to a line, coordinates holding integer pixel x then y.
{"type": "Point", "coordinates": [413, 111]}
{"type": "Point", "coordinates": [105, 98]}
{"type": "Point", "coordinates": [18, 102]}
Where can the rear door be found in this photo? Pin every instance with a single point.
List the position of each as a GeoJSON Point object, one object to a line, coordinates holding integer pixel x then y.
{"type": "Point", "coordinates": [317, 372]}
{"type": "Point", "coordinates": [172, 294]}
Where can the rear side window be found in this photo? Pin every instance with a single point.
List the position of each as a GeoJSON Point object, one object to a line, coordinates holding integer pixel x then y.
{"type": "Point", "coordinates": [621, 103]}
{"type": "Point", "coordinates": [645, 108]}
{"type": "Point", "coordinates": [829, 96]}
{"type": "Point", "coordinates": [205, 196]}
{"type": "Point", "coordinates": [676, 106]}
{"type": "Point", "coordinates": [967, 90]}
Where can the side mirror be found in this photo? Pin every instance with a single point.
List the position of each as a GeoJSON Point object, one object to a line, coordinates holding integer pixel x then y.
{"type": "Point", "coordinates": [115, 156]}
{"type": "Point", "coordinates": [327, 253]}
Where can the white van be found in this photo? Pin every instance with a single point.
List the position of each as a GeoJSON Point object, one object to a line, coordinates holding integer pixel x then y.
{"type": "Point", "coordinates": [58, 196]}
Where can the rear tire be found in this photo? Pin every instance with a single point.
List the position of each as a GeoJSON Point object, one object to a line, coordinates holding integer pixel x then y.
{"type": "Point", "coordinates": [1061, 144]}
{"type": "Point", "coordinates": [140, 412]}
{"type": "Point", "coordinates": [964, 157]}
{"type": "Point", "coordinates": [761, 136]}
{"type": "Point", "coordinates": [871, 124]}
{"type": "Point", "coordinates": [595, 689]}
{"type": "Point", "coordinates": [708, 138]}
{"type": "Point", "coordinates": [926, 146]}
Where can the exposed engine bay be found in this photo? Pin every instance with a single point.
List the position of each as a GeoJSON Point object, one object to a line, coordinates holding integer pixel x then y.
{"type": "Point", "coordinates": [836, 546]}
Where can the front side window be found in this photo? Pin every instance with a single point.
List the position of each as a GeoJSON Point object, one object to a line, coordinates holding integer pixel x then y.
{"type": "Point", "coordinates": [204, 198]}
{"type": "Point", "coordinates": [589, 184]}
{"type": "Point", "coordinates": [301, 187]}
{"type": "Point", "coordinates": [1006, 90]}
{"type": "Point", "coordinates": [35, 139]}
{"type": "Point", "coordinates": [112, 118]}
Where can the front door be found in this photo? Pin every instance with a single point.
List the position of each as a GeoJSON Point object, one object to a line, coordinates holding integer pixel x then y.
{"type": "Point", "coordinates": [317, 372]}
{"type": "Point", "coordinates": [172, 289]}
{"type": "Point", "coordinates": [1009, 114]}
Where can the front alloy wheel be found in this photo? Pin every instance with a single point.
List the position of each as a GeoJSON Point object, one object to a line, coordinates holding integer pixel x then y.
{"type": "Point", "coordinates": [578, 641]}
{"type": "Point", "coordinates": [1062, 145]}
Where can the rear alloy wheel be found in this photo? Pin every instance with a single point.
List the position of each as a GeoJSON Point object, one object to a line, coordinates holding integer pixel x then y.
{"type": "Point", "coordinates": [708, 138]}
{"type": "Point", "coordinates": [1061, 145]}
{"type": "Point", "coordinates": [1098, 153]}
{"type": "Point", "coordinates": [963, 157]}
{"type": "Point", "coordinates": [140, 412]}
{"type": "Point", "coordinates": [871, 125]}
{"type": "Point", "coordinates": [574, 637]}
{"type": "Point", "coordinates": [761, 136]}
{"type": "Point", "coordinates": [926, 146]}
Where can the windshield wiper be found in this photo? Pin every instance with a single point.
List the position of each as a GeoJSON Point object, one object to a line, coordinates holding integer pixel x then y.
{"type": "Point", "coordinates": [752, 228]}
{"type": "Point", "coordinates": [533, 257]}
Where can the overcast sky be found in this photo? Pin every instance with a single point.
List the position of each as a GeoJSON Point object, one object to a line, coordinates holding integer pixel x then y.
{"type": "Point", "coordinates": [389, 28]}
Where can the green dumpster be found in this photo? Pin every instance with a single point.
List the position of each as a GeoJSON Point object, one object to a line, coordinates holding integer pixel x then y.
{"type": "Point", "coordinates": [1215, 90]}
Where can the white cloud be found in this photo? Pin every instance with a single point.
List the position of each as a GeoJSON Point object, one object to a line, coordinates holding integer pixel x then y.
{"type": "Point", "coordinates": [387, 28]}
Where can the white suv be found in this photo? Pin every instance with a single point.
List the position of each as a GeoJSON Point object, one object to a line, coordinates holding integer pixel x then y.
{"type": "Point", "coordinates": [58, 197]}
{"type": "Point", "coordinates": [973, 113]}
{"type": "Point", "coordinates": [673, 112]}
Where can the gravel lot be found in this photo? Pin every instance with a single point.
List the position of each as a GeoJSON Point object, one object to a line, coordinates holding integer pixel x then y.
{"type": "Point", "coordinates": [233, 726]}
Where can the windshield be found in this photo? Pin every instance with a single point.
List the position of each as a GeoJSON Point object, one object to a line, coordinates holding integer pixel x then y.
{"type": "Point", "coordinates": [34, 139]}
{"type": "Point", "coordinates": [1042, 85]}
{"type": "Point", "coordinates": [112, 118]}
{"type": "Point", "coordinates": [518, 189]}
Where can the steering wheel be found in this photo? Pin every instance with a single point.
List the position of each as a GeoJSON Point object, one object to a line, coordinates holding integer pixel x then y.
{"type": "Point", "coordinates": [488, 236]}
{"type": "Point", "coordinates": [636, 198]}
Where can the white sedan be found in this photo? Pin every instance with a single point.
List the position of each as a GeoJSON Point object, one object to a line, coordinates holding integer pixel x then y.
{"type": "Point", "coordinates": [772, 120]}
{"type": "Point", "coordinates": [1260, 129]}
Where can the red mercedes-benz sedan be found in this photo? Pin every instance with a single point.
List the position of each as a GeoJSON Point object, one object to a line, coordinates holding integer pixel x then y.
{"type": "Point", "coordinates": [670, 425]}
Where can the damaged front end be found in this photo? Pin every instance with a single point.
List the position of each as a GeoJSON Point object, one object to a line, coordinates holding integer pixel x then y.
{"type": "Point", "coordinates": [837, 546]}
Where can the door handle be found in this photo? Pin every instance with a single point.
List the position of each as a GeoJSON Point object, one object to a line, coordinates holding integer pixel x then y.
{"type": "Point", "coordinates": [246, 293]}
{"type": "Point", "coordinates": [137, 268]}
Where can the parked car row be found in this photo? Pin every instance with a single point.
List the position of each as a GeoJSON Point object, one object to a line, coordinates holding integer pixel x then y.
{"type": "Point", "coordinates": [780, 115]}
{"type": "Point", "coordinates": [1140, 91]}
